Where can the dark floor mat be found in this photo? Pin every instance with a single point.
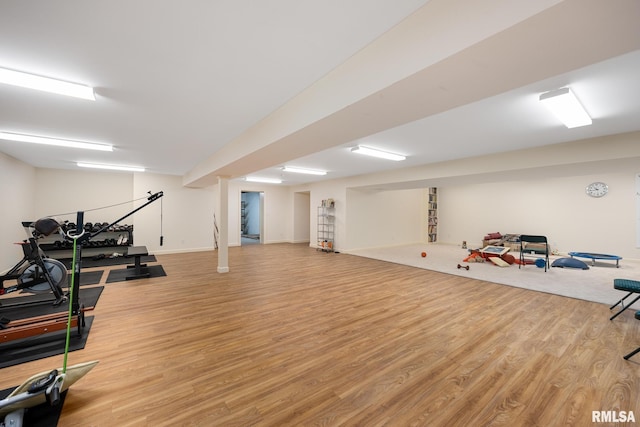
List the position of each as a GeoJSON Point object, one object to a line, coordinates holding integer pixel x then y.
{"type": "Point", "coordinates": [86, 278]}
{"type": "Point", "coordinates": [41, 346]}
{"type": "Point", "coordinates": [89, 277]}
{"type": "Point", "coordinates": [89, 262]}
{"type": "Point", "coordinates": [121, 275]}
{"type": "Point", "coordinates": [43, 415]}
{"type": "Point", "coordinates": [41, 304]}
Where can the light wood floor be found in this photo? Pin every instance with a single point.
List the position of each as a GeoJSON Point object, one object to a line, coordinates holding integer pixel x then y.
{"type": "Point", "coordinates": [292, 336]}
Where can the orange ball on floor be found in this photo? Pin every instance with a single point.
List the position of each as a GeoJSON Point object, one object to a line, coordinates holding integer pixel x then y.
{"type": "Point", "coordinates": [424, 254]}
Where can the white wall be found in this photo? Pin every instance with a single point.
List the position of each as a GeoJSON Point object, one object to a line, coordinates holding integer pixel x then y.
{"type": "Point", "coordinates": [537, 191]}
{"type": "Point", "coordinates": [17, 189]}
{"type": "Point", "coordinates": [278, 211]}
{"type": "Point", "coordinates": [384, 218]}
{"type": "Point", "coordinates": [102, 196]}
{"type": "Point", "coordinates": [366, 218]}
{"type": "Point", "coordinates": [542, 200]}
{"type": "Point", "coordinates": [187, 215]}
{"type": "Point", "coordinates": [555, 207]}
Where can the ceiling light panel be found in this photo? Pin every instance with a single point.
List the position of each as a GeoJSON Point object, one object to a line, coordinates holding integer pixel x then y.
{"type": "Point", "coordinates": [111, 167]}
{"type": "Point", "coordinates": [32, 139]}
{"type": "Point", "coordinates": [565, 106]}
{"type": "Point", "coordinates": [368, 151]}
{"type": "Point", "coordinates": [294, 169]}
{"type": "Point", "coordinates": [46, 84]}
{"type": "Point", "coordinates": [263, 180]}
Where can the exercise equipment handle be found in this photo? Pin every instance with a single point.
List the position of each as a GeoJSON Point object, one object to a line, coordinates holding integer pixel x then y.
{"type": "Point", "coordinates": [152, 198]}
{"type": "Point", "coordinates": [75, 236]}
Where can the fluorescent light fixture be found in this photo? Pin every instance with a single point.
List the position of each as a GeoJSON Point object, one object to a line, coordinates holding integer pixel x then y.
{"type": "Point", "coordinates": [566, 107]}
{"type": "Point", "coordinates": [10, 136]}
{"type": "Point", "coordinates": [303, 170]}
{"type": "Point", "coordinates": [263, 180]}
{"type": "Point", "coordinates": [377, 153]}
{"type": "Point", "coordinates": [111, 167]}
{"type": "Point", "coordinates": [46, 84]}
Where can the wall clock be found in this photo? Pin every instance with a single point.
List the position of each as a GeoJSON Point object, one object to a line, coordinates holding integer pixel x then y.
{"type": "Point", "coordinates": [597, 189]}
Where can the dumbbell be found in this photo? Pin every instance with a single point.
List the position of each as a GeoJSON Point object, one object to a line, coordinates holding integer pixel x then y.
{"type": "Point", "coordinates": [466, 267]}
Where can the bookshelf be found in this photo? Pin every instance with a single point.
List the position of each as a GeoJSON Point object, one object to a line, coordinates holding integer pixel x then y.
{"type": "Point", "coordinates": [432, 215]}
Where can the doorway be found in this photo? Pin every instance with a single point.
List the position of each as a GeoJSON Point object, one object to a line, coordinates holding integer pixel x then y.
{"type": "Point", "coordinates": [251, 217]}
{"type": "Point", "coordinates": [302, 217]}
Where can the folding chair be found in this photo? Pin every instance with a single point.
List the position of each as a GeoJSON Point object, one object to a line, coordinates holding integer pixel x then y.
{"type": "Point", "coordinates": [630, 286]}
{"type": "Point", "coordinates": [524, 239]}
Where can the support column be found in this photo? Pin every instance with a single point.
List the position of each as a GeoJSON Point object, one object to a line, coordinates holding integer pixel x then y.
{"type": "Point", "coordinates": [223, 227]}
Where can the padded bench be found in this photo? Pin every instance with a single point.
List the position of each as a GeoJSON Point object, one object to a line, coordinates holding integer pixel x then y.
{"type": "Point", "coordinates": [140, 271]}
{"type": "Point", "coordinates": [629, 286]}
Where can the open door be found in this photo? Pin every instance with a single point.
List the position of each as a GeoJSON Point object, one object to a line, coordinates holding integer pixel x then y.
{"type": "Point", "coordinates": [251, 217]}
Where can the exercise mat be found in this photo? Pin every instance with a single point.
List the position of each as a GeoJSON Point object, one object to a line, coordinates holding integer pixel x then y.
{"type": "Point", "coordinates": [86, 278]}
{"type": "Point", "coordinates": [121, 274]}
{"type": "Point", "coordinates": [89, 277]}
{"type": "Point", "coordinates": [89, 262]}
{"type": "Point", "coordinates": [39, 347]}
{"type": "Point", "coordinates": [41, 304]}
{"type": "Point", "coordinates": [43, 415]}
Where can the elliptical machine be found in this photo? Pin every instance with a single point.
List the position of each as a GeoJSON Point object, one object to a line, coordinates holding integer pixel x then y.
{"type": "Point", "coordinates": [36, 272]}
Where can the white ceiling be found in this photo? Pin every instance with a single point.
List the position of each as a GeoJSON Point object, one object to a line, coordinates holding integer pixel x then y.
{"type": "Point", "coordinates": [193, 88]}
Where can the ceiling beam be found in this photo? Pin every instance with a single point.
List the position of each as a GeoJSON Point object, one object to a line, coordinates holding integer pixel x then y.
{"type": "Point", "coordinates": [424, 66]}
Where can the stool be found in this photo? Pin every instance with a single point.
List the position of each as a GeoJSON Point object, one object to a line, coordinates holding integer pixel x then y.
{"type": "Point", "coordinates": [630, 286]}
{"type": "Point", "coordinates": [637, 349]}
{"type": "Point", "coordinates": [140, 271]}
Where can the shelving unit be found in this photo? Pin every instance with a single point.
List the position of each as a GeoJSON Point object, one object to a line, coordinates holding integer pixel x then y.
{"type": "Point", "coordinates": [432, 215]}
{"type": "Point", "coordinates": [244, 218]}
{"type": "Point", "coordinates": [326, 226]}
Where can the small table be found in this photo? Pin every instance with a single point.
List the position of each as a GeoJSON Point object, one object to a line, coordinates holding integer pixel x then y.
{"type": "Point", "coordinates": [594, 257]}
{"type": "Point", "coordinates": [140, 271]}
{"type": "Point", "coordinates": [495, 250]}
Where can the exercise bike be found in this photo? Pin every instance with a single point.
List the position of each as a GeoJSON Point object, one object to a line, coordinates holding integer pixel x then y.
{"type": "Point", "coordinates": [36, 272]}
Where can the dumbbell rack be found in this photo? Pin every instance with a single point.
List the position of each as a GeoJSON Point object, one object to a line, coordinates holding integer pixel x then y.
{"type": "Point", "coordinates": [114, 240]}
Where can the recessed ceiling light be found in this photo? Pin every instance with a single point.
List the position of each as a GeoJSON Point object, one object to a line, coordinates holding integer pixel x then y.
{"type": "Point", "coordinates": [10, 136]}
{"type": "Point", "coordinates": [46, 84]}
{"type": "Point", "coordinates": [111, 167]}
{"type": "Point", "coordinates": [263, 180]}
{"type": "Point", "coordinates": [303, 170]}
{"type": "Point", "coordinates": [566, 107]}
{"type": "Point", "coordinates": [360, 149]}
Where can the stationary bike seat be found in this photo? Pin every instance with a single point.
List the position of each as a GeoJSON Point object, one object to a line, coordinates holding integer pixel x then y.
{"type": "Point", "coordinates": [46, 226]}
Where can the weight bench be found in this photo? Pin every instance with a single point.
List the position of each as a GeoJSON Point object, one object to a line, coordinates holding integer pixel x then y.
{"type": "Point", "coordinates": [637, 349]}
{"type": "Point", "coordinates": [140, 271]}
{"type": "Point", "coordinates": [630, 286]}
